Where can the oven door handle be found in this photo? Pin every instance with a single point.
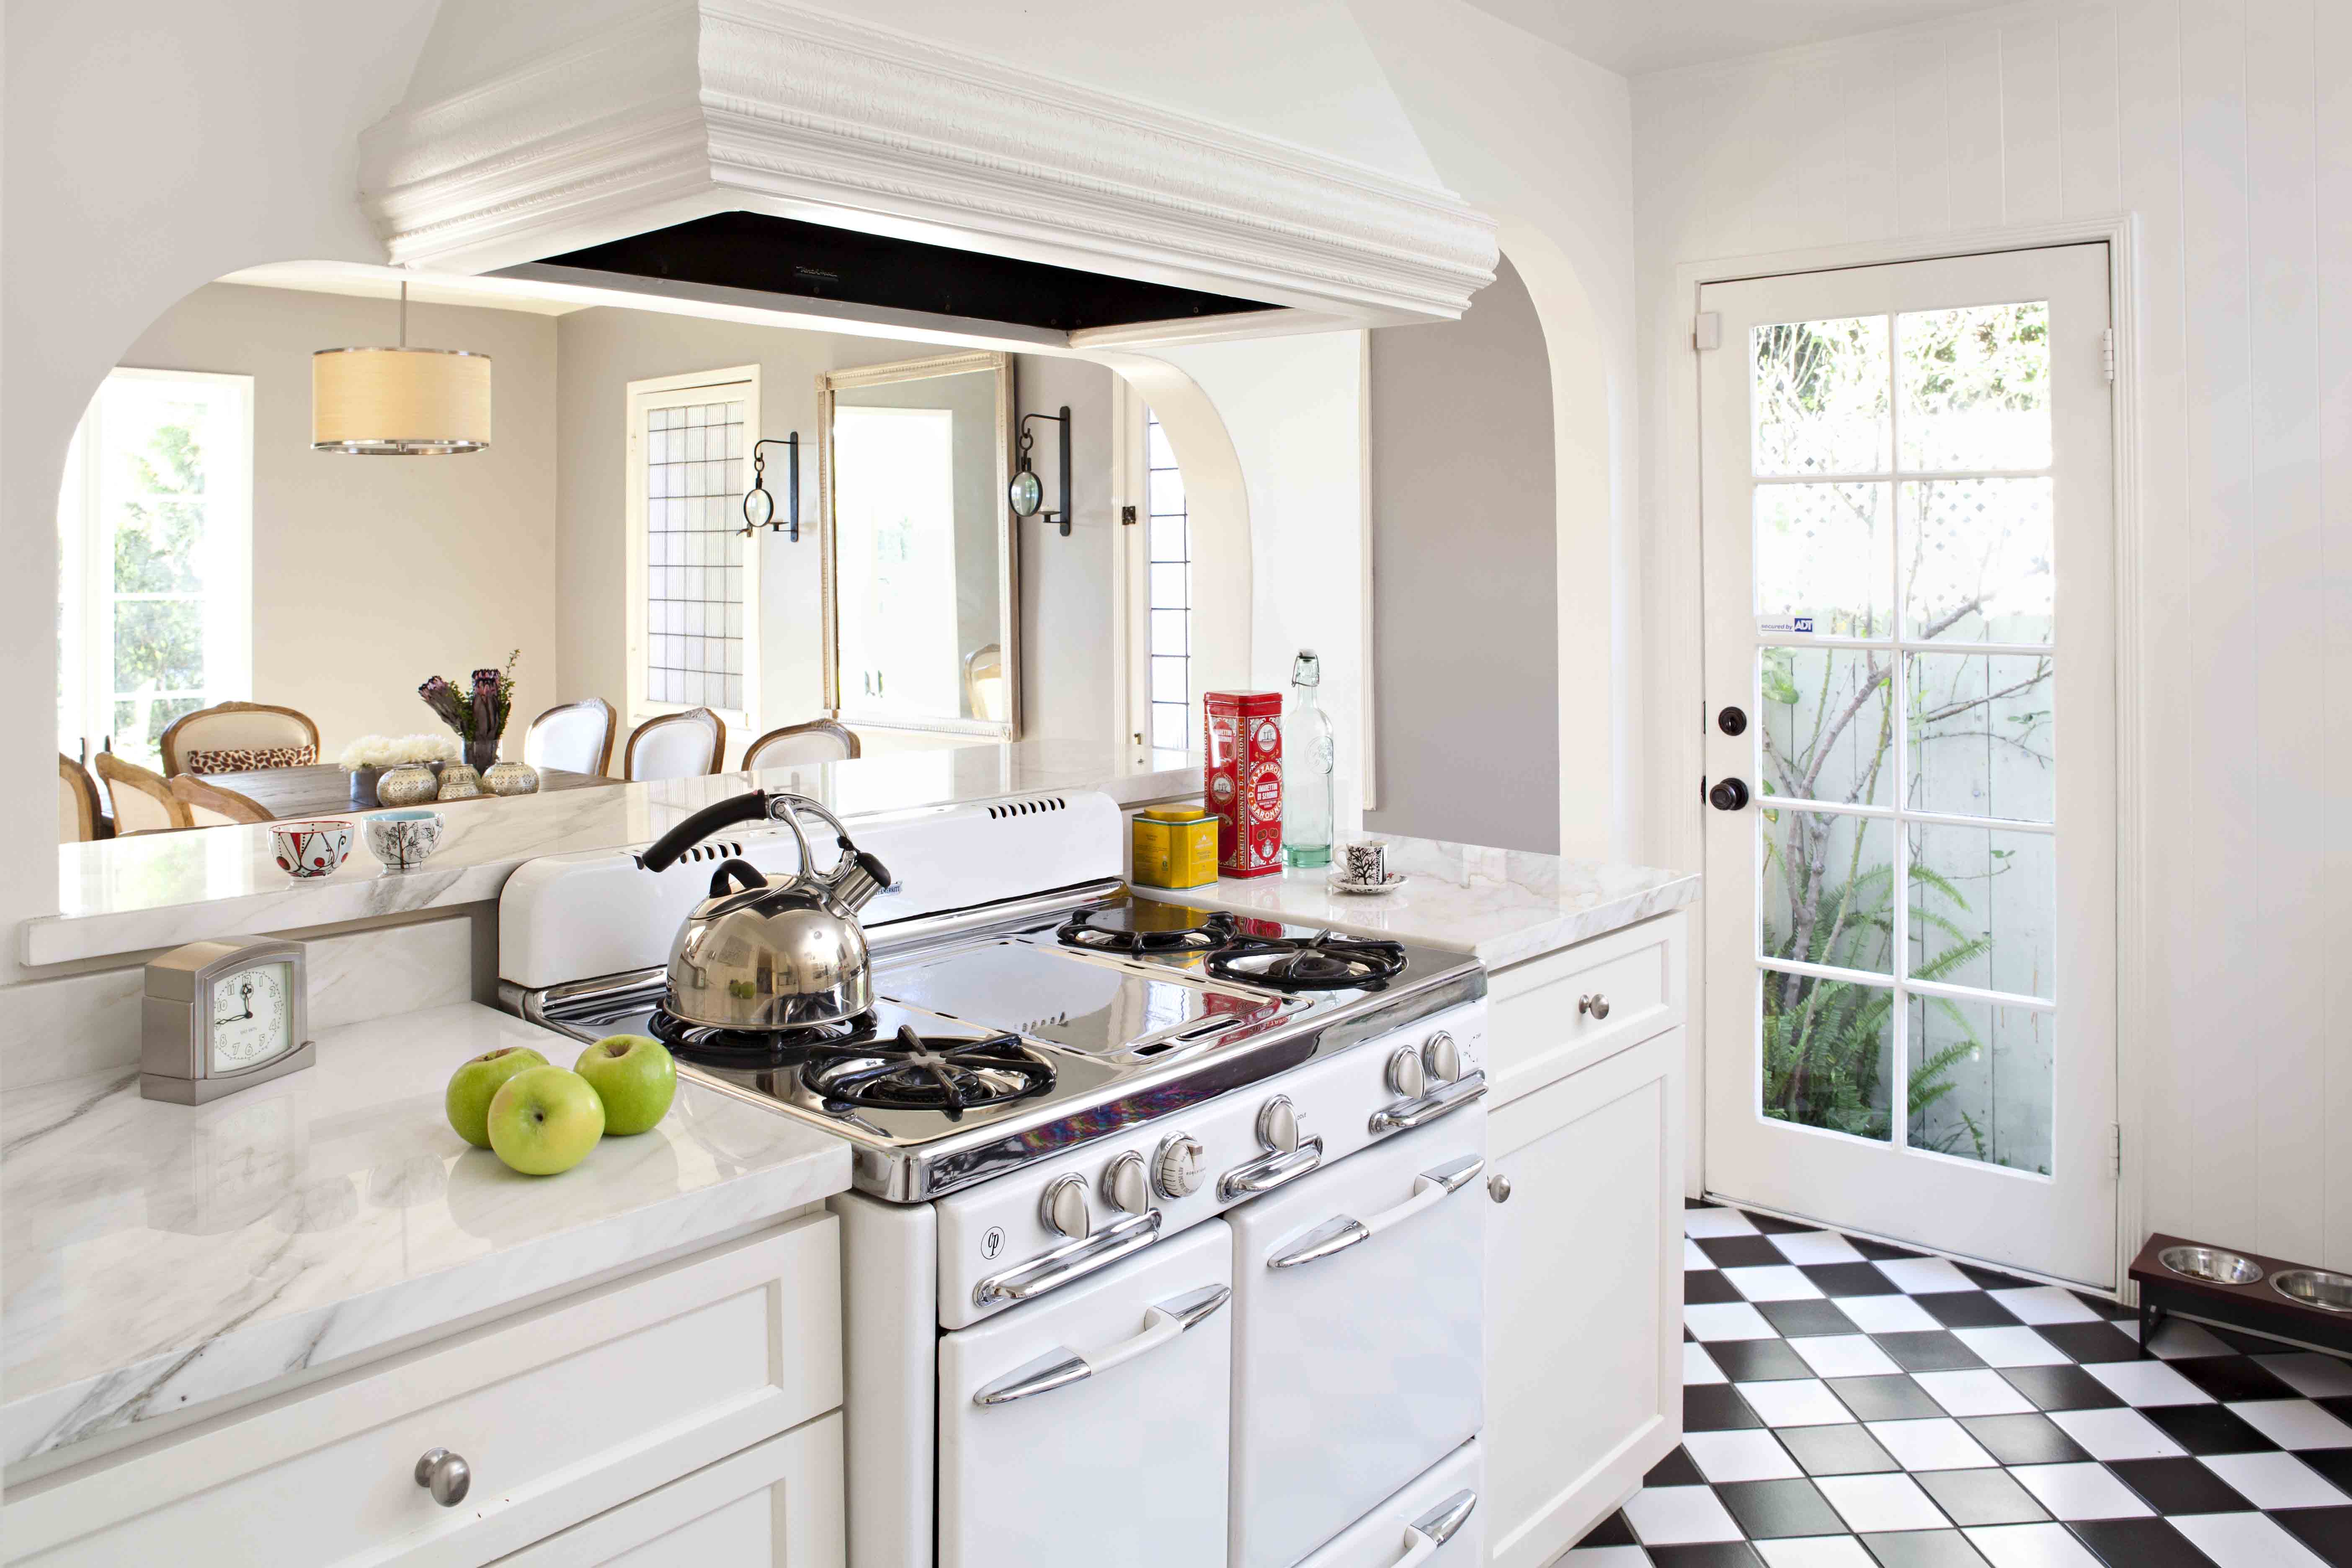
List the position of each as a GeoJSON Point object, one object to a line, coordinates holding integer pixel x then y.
{"type": "Point", "coordinates": [1163, 1322]}
{"type": "Point", "coordinates": [1057, 1269]}
{"type": "Point", "coordinates": [1341, 1232]}
{"type": "Point", "coordinates": [1433, 1529]}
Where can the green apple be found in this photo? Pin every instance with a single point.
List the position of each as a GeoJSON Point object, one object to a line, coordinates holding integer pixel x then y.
{"type": "Point", "coordinates": [472, 1085]}
{"type": "Point", "coordinates": [634, 1078]}
{"type": "Point", "coordinates": [544, 1120]}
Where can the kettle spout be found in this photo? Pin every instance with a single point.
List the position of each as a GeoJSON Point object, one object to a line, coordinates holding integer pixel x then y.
{"type": "Point", "coordinates": [861, 879]}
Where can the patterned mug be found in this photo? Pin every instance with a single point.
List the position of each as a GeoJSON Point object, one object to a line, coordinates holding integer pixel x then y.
{"type": "Point", "coordinates": [304, 849]}
{"type": "Point", "coordinates": [403, 839]}
{"type": "Point", "coordinates": [1367, 863]}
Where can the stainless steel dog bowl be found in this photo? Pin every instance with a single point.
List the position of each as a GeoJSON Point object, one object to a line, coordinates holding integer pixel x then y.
{"type": "Point", "coordinates": [2315, 1288]}
{"type": "Point", "coordinates": [2210, 1263]}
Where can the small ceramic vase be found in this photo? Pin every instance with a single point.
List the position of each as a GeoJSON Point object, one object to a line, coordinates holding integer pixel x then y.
{"type": "Point", "coordinates": [306, 849]}
{"type": "Point", "coordinates": [410, 783]}
{"type": "Point", "coordinates": [404, 839]}
{"type": "Point", "coordinates": [511, 778]}
{"type": "Point", "coordinates": [363, 783]}
{"type": "Point", "coordinates": [460, 782]}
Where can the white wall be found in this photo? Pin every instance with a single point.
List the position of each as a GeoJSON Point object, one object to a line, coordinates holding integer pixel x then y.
{"type": "Point", "coordinates": [2226, 127]}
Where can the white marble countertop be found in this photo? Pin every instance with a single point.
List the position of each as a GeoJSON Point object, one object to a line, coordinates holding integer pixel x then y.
{"type": "Point", "coordinates": [156, 1256]}
{"type": "Point", "coordinates": [159, 889]}
{"type": "Point", "coordinates": [1502, 906]}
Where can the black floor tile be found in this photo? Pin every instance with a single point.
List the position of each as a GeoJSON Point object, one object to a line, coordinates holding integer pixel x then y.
{"type": "Point", "coordinates": [1611, 1532]}
{"type": "Point", "coordinates": [2180, 1485]}
{"type": "Point", "coordinates": [1877, 1250]}
{"type": "Point", "coordinates": [1981, 1497]}
{"type": "Point", "coordinates": [2115, 1311]}
{"type": "Point", "coordinates": [1706, 1288]}
{"type": "Point", "coordinates": [1848, 1280]}
{"type": "Point", "coordinates": [2326, 1531]}
{"type": "Point", "coordinates": [1770, 1227]}
{"type": "Point", "coordinates": [2090, 1341]}
{"type": "Point", "coordinates": [2338, 1406]}
{"type": "Point", "coordinates": [1802, 1319]}
{"type": "Point", "coordinates": [2138, 1543]}
{"type": "Point", "coordinates": [1698, 1203]}
{"type": "Point", "coordinates": [1757, 1361]}
{"type": "Point", "coordinates": [1896, 1398]}
{"type": "Point", "coordinates": [1993, 1279]}
{"type": "Point", "coordinates": [1966, 1309]}
{"type": "Point", "coordinates": [1714, 1407]}
{"type": "Point", "coordinates": [1769, 1510]}
{"type": "Point", "coordinates": [2229, 1377]}
{"type": "Point", "coordinates": [2024, 1439]}
{"type": "Point", "coordinates": [2061, 1388]}
{"type": "Point", "coordinates": [1836, 1451]}
{"type": "Point", "coordinates": [1929, 1349]}
{"type": "Point", "coordinates": [1705, 1554]}
{"type": "Point", "coordinates": [2249, 1342]}
{"type": "Point", "coordinates": [1676, 1470]}
{"type": "Point", "coordinates": [1739, 1251]}
{"type": "Point", "coordinates": [2186, 1343]}
{"type": "Point", "coordinates": [2207, 1430]}
{"type": "Point", "coordinates": [1924, 1548]}
{"type": "Point", "coordinates": [2336, 1464]}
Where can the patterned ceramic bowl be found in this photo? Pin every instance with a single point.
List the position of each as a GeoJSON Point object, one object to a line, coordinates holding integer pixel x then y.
{"type": "Point", "coordinates": [310, 849]}
{"type": "Point", "coordinates": [404, 839]}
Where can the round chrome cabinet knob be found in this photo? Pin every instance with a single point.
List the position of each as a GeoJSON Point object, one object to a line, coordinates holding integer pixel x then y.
{"type": "Point", "coordinates": [1406, 1075]}
{"type": "Point", "coordinates": [1180, 1166]}
{"type": "Point", "coordinates": [1278, 1125]}
{"type": "Point", "coordinates": [1595, 1006]}
{"type": "Point", "coordinates": [445, 1475]}
{"type": "Point", "coordinates": [1124, 1186]}
{"type": "Point", "coordinates": [1441, 1057]}
{"type": "Point", "coordinates": [1498, 1187]}
{"type": "Point", "coordinates": [1064, 1208]}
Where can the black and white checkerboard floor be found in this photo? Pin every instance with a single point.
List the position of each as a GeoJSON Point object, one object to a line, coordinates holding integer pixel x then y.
{"type": "Point", "coordinates": [1850, 1404]}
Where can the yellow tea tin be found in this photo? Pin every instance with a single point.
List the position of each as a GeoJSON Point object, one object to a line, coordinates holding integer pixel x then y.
{"type": "Point", "coordinates": [1175, 847]}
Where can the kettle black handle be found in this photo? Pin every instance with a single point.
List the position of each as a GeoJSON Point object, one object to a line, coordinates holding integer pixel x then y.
{"type": "Point", "coordinates": [735, 875]}
{"type": "Point", "coordinates": [750, 807]}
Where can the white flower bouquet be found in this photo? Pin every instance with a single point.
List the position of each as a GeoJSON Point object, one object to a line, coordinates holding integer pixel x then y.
{"type": "Point", "coordinates": [372, 752]}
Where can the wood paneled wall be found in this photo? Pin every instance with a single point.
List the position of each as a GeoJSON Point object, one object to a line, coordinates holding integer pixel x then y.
{"type": "Point", "coordinates": [2226, 126]}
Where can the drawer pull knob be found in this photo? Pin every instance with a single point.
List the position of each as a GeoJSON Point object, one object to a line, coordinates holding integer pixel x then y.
{"type": "Point", "coordinates": [1595, 1006]}
{"type": "Point", "coordinates": [445, 1475]}
{"type": "Point", "coordinates": [1498, 1187]}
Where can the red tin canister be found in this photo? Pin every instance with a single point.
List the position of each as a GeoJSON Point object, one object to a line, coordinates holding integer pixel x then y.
{"type": "Point", "coordinates": [1241, 779]}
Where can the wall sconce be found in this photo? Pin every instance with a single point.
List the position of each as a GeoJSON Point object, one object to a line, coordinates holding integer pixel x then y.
{"type": "Point", "coordinates": [1027, 492]}
{"type": "Point", "coordinates": [758, 506]}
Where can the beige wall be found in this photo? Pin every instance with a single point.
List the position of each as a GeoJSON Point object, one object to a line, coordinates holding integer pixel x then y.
{"type": "Point", "coordinates": [370, 574]}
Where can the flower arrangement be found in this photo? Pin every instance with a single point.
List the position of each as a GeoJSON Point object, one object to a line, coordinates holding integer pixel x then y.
{"type": "Point", "coordinates": [391, 751]}
{"type": "Point", "coordinates": [478, 713]}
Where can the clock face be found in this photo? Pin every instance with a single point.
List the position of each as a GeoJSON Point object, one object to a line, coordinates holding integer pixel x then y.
{"type": "Point", "coordinates": [253, 1016]}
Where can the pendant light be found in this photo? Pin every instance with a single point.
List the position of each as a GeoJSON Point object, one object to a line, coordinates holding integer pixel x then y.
{"type": "Point", "coordinates": [400, 402]}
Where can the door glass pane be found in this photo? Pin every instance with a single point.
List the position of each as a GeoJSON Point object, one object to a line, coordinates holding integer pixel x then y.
{"type": "Point", "coordinates": [1983, 1078]}
{"type": "Point", "coordinates": [1975, 386]}
{"type": "Point", "coordinates": [1819, 395]}
{"type": "Point", "coordinates": [1983, 905]}
{"type": "Point", "coordinates": [1984, 735]}
{"type": "Point", "coordinates": [693, 554]}
{"type": "Point", "coordinates": [1825, 724]}
{"type": "Point", "coordinates": [1828, 1053]}
{"type": "Point", "coordinates": [1828, 889]}
{"type": "Point", "coordinates": [1827, 551]}
{"type": "Point", "coordinates": [1977, 557]}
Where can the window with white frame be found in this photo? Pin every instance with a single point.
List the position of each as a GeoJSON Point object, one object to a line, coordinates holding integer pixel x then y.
{"type": "Point", "coordinates": [1172, 706]}
{"type": "Point", "coordinates": [694, 589]}
{"type": "Point", "coordinates": [155, 559]}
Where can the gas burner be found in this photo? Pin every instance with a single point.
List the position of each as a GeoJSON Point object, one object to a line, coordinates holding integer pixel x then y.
{"type": "Point", "coordinates": [1321, 963]}
{"type": "Point", "coordinates": [914, 1072]}
{"type": "Point", "coordinates": [1132, 932]}
{"type": "Point", "coordinates": [755, 1047]}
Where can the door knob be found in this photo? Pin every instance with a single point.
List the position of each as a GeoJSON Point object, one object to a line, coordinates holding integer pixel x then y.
{"type": "Point", "coordinates": [445, 1475]}
{"type": "Point", "coordinates": [1728, 794]}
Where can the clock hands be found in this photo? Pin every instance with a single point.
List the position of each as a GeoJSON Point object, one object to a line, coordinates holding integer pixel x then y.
{"type": "Point", "coordinates": [246, 991]}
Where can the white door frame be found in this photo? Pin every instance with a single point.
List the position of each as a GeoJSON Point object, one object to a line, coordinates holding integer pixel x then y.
{"type": "Point", "coordinates": [1682, 681]}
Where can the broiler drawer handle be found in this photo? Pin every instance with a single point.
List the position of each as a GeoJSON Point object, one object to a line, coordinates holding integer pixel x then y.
{"type": "Point", "coordinates": [1052, 1270]}
{"type": "Point", "coordinates": [1163, 1322]}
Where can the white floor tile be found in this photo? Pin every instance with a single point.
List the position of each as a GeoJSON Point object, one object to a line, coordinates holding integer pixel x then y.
{"type": "Point", "coordinates": [1698, 1366]}
{"type": "Point", "coordinates": [1744, 1456]}
{"type": "Point", "coordinates": [1924, 1275]}
{"type": "Point", "coordinates": [1844, 1355]}
{"type": "Point", "coordinates": [2116, 1433]}
{"type": "Point", "coordinates": [2276, 1480]}
{"type": "Point", "coordinates": [1716, 1222]}
{"type": "Point", "coordinates": [1795, 1401]}
{"type": "Point", "coordinates": [1695, 1256]}
{"type": "Point", "coordinates": [2311, 1375]}
{"type": "Point", "coordinates": [1667, 1516]}
{"type": "Point", "coordinates": [2012, 1347]}
{"type": "Point", "coordinates": [1881, 1503]}
{"type": "Point", "coordinates": [1606, 1557]}
{"type": "Point", "coordinates": [2031, 1546]}
{"type": "Point", "coordinates": [1972, 1392]}
{"type": "Point", "coordinates": [2177, 1340]}
{"type": "Point", "coordinates": [1931, 1445]}
{"type": "Point", "coordinates": [2244, 1540]}
{"type": "Point", "coordinates": [2295, 1423]}
{"type": "Point", "coordinates": [1887, 1314]}
{"type": "Point", "coordinates": [2044, 1304]}
{"type": "Point", "coordinates": [1773, 1282]}
{"type": "Point", "coordinates": [1815, 1552]}
{"type": "Point", "coordinates": [2081, 1492]}
{"type": "Point", "coordinates": [1816, 1247]}
{"type": "Point", "coordinates": [1728, 1320]}
{"type": "Point", "coordinates": [2145, 1382]}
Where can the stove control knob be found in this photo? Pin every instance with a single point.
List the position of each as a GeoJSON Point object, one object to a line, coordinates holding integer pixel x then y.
{"type": "Point", "coordinates": [1442, 1057]}
{"type": "Point", "coordinates": [1124, 1186]}
{"type": "Point", "coordinates": [1064, 1208]}
{"type": "Point", "coordinates": [1407, 1079]}
{"type": "Point", "coordinates": [1179, 1168]}
{"type": "Point", "coordinates": [1278, 1125]}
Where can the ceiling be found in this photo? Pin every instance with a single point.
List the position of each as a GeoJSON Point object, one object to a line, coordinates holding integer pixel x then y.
{"type": "Point", "coordinates": [1633, 37]}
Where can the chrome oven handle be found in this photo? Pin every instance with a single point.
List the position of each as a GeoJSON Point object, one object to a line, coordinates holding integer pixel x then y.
{"type": "Point", "coordinates": [1270, 1170]}
{"type": "Point", "coordinates": [1429, 1189]}
{"type": "Point", "coordinates": [1433, 1529]}
{"type": "Point", "coordinates": [1051, 1270]}
{"type": "Point", "coordinates": [1163, 1322]}
{"type": "Point", "coordinates": [1406, 1115]}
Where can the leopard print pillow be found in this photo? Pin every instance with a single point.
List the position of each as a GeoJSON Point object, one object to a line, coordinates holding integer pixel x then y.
{"type": "Point", "coordinates": [245, 759]}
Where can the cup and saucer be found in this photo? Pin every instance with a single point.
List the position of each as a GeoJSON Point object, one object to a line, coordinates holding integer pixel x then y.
{"type": "Point", "coordinates": [1363, 871]}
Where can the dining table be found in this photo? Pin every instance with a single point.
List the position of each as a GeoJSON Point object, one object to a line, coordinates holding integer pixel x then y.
{"type": "Point", "coordinates": [325, 790]}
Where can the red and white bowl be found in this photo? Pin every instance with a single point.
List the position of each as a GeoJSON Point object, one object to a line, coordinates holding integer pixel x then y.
{"type": "Point", "coordinates": [306, 849]}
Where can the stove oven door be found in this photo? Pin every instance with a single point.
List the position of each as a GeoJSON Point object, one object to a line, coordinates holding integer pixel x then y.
{"type": "Point", "coordinates": [1090, 1426]}
{"type": "Point", "coordinates": [1358, 1304]}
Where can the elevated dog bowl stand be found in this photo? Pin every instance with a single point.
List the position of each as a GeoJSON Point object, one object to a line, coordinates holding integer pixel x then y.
{"type": "Point", "coordinates": [2255, 1307]}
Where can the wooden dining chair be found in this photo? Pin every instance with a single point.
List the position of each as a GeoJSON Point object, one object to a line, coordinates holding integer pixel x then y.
{"type": "Point", "coordinates": [82, 816]}
{"type": "Point", "coordinates": [238, 737]}
{"type": "Point", "coordinates": [576, 737]}
{"type": "Point", "coordinates": [210, 806]}
{"type": "Point", "coordinates": [817, 740]}
{"type": "Point", "coordinates": [675, 746]}
{"type": "Point", "coordinates": [144, 801]}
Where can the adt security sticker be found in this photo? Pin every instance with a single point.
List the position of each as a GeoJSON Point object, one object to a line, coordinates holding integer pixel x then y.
{"type": "Point", "coordinates": [1784, 625]}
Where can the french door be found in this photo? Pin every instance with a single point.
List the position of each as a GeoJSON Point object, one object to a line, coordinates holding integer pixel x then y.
{"type": "Point", "coordinates": [1909, 533]}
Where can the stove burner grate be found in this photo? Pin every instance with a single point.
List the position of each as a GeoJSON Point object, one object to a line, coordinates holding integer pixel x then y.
{"type": "Point", "coordinates": [1322, 962]}
{"type": "Point", "coordinates": [913, 1072]}
{"type": "Point", "coordinates": [755, 1047]}
{"type": "Point", "coordinates": [1080, 931]}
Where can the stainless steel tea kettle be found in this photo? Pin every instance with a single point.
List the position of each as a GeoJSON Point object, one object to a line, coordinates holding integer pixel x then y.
{"type": "Point", "coordinates": [765, 954]}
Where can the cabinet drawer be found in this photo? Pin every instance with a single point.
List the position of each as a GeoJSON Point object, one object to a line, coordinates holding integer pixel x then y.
{"type": "Point", "coordinates": [560, 1412]}
{"type": "Point", "coordinates": [1538, 1034]}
